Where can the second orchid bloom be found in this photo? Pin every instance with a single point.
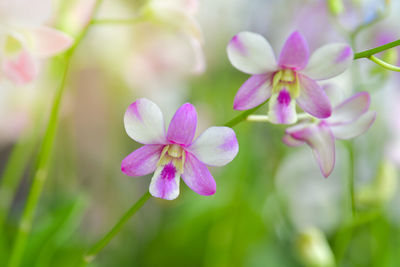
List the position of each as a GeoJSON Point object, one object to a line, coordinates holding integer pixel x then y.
{"type": "Point", "coordinates": [175, 153]}
{"type": "Point", "coordinates": [291, 79]}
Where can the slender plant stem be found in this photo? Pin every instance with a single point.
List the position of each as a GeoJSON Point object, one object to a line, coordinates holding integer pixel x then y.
{"type": "Point", "coordinates": [91, 254]}
{"type": "Point", "coordinates": [129, 21]}
{"type": "Point", "coordinates": [41, 171]}
{"type": "Point", "coordinates": [13, 172]}
{"type": "Point", "coordinates": [376, 50]}
{"type": "Point", "coordinates": [243, 116]}
{"type": "Point", "coordinates": [350, 149]}
{"type": "Point", "coordinates": [384, 64]}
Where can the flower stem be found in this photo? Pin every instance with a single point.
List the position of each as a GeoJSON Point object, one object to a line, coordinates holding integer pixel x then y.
{"type": "Point", "coordinates": [243, 116]}
{"type": "Point", "coordinates": [43, 157]}
{"type": "Point", "coordinates": [130, 21]}
{"type": "Point", "coordinates": [350, 149]}
{"type": "Point", "coordinates": [384, 64]}
{"type": "Point", "coordinates": [91, 254]}
{"type": "Point", "coordinates": [376, 50]}
{"type": "Point", "coordinates": [13, 172]}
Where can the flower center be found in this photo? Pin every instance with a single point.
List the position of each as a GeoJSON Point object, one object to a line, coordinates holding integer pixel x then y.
{"type": "Point", "coordinates": [286, 79]}
{"type": "Point", "coordinates": [172, 154]}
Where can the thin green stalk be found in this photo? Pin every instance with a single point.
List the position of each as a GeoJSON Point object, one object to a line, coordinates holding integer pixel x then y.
{"type": "Point", "coordinates": [370, 52]}
{"type": "Point", "coordinates": [350, 149]}
{"type": "Point", "coordinates": [13, 172]}
{"type": "Point", "coordinates": [243, 116]}
{"type": "Point", "coordinates": [91, 254]}
{"type": "Point", "coordinates": [39, 177]}
{"type": "Point", "coordinates": [384, 64]}
{"type": "Point", "coordinates": [119, 21]}
{"type": "Point", "coordinates": [43, 160]}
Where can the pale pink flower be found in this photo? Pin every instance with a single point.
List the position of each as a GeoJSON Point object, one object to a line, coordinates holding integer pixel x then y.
{"type": "Point", "coordinates": [174, 154]}
{"type": "Point", "coordinates": [291, 79]}
{"type": "Point", "coordinates": [24, 38]}
{"type": "Point", "coordinates": [349, 119]}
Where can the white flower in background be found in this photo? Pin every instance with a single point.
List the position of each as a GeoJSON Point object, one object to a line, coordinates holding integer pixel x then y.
{"type": "Point", "coordinates": [179, 17]}
{"type": "Point", "coordinates": [24, 38]}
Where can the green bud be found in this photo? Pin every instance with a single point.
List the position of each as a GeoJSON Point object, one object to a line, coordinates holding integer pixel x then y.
{"type": "Point", "coordinates": [382, 189]}
{"type": "Point", "coordinates": [313, 249]}
{"type": "Point", "coordinates": [335, 7]}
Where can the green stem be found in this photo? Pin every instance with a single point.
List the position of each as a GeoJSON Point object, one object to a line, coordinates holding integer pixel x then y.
{"type": "Point", "coordinates": [376, 50]}
{"type": "Point", "coordinates": [243, 116]}
{"type": "Point", "coordinates": [91, 254]}
{"type": "Point", "coordinates": [41, 171]}
{"type": "Point", "coordinates": [350, 149]}
{"type": "Point", "coordinates": [13, 172]}
{"type": "Point", "coordinates": [119, 21]}
{"type": "Point", "coordinates": [384, 64]}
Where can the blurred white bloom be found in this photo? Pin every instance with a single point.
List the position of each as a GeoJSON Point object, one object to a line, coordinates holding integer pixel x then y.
{"type": "Point", "coordinates": [313, 249]}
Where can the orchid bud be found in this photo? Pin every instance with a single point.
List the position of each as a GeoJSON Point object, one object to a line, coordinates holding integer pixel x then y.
{"type": "Point", "coordinates": [382, 189]}
{"type": "Point", "coordinates": [313, 249]}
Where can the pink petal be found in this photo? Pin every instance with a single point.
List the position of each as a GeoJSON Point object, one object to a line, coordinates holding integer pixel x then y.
{"type": "Point", "coordinates": [295, 52]}
{"type": "Point", "coordinates": [217, 146]}
{"type": "Point", "coordinates": [282, 108]}
{"type": "Point", "coordinates": [290, 141]}
{"type": "Point", "coordinates": [47, 42]}
{"type": "Point", "coordinates": [251, 53]}
{"type": "Point", "coordinates": [329, 61]}
{"type": "Point", "coordinates": [142, 161]}
{"type": "Point", "coordinates": [21, 70]}
{"type": "Point", "coordinates": [144, 122]}
{"type": "Point", "coordinates": [182, 128]}
{"type": "Point", "coordinates": [253, 92]}
{"type": "Point", "coordinates": [350, 109]}
{"type": "Point", "coordinates": [321, 140]}
{"type": "Point", "coordinates": [165, 182]}
{"type": "Point", "coordinates": [197, 176]}
{"type": "Point", "coordinates": [354, 128]}
{"type": "Point", "coordinates": [313, 98]}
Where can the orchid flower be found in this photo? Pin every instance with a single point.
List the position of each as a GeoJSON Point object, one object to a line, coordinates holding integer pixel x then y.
{"type": "Point", "coordinates": [349, 119]}
{"type": "Point", "coordinates": [174, 154]}
{"type": "Point", "coordinates": [292, 79]}
{"type": "Point", "coordinates": [24, 38]}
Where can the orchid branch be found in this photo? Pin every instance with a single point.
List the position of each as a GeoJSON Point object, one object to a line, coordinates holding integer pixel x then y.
{"type": "Point", "coordinates": [384, 64]}
{"type": "Point", "coordinates": [41, 171]}
{"type": "Point", "coordinates": [370, 52]}
{"type": "Point", "coordinates": [91, 254]}
{"type": "Point", "coordinates": [129, 21]}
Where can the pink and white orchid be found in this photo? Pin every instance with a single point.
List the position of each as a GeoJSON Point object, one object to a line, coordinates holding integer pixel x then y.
{"type": "Point", "coordinates": [292, 79]}
{"type": "Point", "coordinates": [24, 38]}
{"type": "Point", "coordinates": [174, 154]}
{"type": "Point", "coordinates": [349, 119]}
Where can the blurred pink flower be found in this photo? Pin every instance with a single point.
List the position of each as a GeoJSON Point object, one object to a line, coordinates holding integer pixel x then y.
{"type": "Point", "coordinates": [349, 119]}
{"type": "Point", "coordinates": [174, 154]}
{"type": "Point", "coordinates": [24, 38]}
{"type": "Point", "coordinates": [292, 79]}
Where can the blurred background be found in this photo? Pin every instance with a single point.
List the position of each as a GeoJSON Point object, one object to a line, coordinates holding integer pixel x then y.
{"type": "Point", "coordinates": [272, 206]}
